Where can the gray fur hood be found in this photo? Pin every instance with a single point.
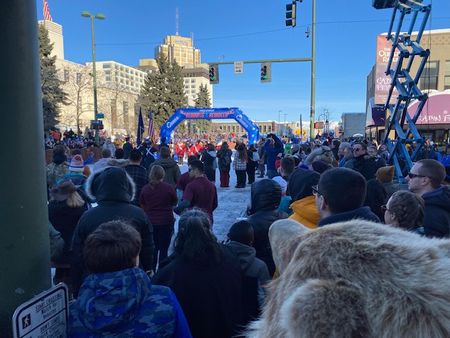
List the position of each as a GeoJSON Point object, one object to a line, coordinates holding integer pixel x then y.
{"type": "Point", "coordinates": [356, 279]}
{"type": "Point", "coordinates": [110, 184]}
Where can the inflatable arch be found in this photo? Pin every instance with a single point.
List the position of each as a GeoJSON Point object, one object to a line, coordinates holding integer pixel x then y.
{"type": "Point", "coordinates": [210, 114]}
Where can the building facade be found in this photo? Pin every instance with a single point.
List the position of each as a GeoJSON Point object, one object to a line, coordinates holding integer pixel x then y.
{"type": "Point", "coordinates": [115, 100]}
{"type": "Point", "coordinates": [195, 74]}
{"type": "Point", "coordinates": [180, 49]}
{"type": "Point", "coordinates": [55, 34]}
{"type": "Point", "coordinates": [435, 79]}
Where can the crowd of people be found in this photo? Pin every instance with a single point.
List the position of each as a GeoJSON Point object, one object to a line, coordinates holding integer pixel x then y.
{"type": "Point", "coordinates": [300, 249]}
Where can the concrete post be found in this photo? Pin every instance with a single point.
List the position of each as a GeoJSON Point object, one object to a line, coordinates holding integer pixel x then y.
{"type": "Point", "coordinates": [24, 239]}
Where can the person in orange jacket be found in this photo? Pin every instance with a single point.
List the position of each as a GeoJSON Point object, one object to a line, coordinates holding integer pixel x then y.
{"type": "Point", "coordinates": [304, 204]}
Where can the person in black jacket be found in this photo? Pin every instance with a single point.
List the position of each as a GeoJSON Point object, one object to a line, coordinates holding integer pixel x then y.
{"type": "Point", "coordinates": [210, 162]}
{"type": "Point", "coordinates": [363, 163]}
{"type": "Point", "coordinates": [205, 278]}
{"type": "Point", "coordinates": [113, 189]}
{"type": "Point", "coordinates": [263, 211]}
{"type": "Point", "coordinates": [425, 179]}
{"type": "Point", "coordinates": [137, 172]}
{"type": "Point", "coordinates": [340, 196]}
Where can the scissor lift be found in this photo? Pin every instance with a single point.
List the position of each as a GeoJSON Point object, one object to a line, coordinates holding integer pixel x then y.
{"type": "Point", "coordinates": [398, 121]}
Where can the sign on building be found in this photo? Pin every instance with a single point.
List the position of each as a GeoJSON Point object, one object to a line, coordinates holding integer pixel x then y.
{"type": "Point", "coordinates": [45, 315]}
{"type": "Point", "coordinates": [238, 67]}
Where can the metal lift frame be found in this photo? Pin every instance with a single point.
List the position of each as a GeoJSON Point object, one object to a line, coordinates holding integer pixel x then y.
{"type": "Point", "coordinates": [400, 122]}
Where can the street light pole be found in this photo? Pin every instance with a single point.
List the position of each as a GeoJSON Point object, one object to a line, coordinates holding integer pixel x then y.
{"type": "Point", "coordinates": [313, 71]}
{"type": "Point", "coordinates": [94, 71]}
{"type": "Point", "coordinates": [279, 123]}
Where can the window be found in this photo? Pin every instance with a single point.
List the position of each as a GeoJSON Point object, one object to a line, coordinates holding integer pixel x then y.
{"type": "Point", "coordinates": [78, 78]}
{"type": "Point", "coordinates": [66, 75]}
{"type": "Point", "coordinates": [106, 65]}
{"type": "Point", "coordinates": [429, 78]}
{"type": "Point", "coordinates": [447, 75]}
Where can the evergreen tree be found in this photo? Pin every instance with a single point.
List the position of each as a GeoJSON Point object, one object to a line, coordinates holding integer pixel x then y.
{"type": "Point", "coordinates": [163, 91]}
{"type": "Point", "coordinates": [203, 101]}
{"type": "Point", "coordinates": [52, 93]}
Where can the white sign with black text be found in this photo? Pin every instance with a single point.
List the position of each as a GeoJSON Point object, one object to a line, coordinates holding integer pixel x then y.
{"type": "Point", "coordinates": [45, 315]}
{"type": "Point", "coordinates": [238, 67]}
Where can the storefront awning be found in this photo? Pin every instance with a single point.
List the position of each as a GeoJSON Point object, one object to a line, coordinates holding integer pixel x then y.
{"type": "Point", "coordinates": [436, 109]}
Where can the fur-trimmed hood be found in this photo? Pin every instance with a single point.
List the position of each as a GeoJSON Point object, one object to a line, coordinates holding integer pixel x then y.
{"type": "Point", "coordinates": [356, 279]}
{"type": "Point", "coordinates": [110, 184]}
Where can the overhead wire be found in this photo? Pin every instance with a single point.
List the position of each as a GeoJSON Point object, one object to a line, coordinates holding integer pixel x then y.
{"type": "Point", "coordinates": [231, 36]}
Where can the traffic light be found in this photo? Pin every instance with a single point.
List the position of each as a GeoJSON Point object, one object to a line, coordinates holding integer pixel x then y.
{"type": "Point", "coordinates": [266, 72]}
{"type": "Point", "coordinates": [214, 74]}
{"type": "Point", "coordinates": [291, 14]}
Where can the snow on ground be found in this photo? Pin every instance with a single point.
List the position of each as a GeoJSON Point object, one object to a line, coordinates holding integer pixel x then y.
{"type": "Point", "coordinates": [233, 203]}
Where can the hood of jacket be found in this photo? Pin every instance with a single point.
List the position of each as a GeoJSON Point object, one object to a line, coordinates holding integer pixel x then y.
{"type": "Point", "coordinates": [244, 253]}
{"type": "Point", "coordinates": [212, 153]}
{"type": "Point", "coordinates": [439, 198]}
{"type": "Point", "coordinates": [300, 183]}
{"type": "Point", "coordinates": [265, 195]}
{"type": "Point", "coordinates": [110, 184]}
{"type": "Point", "coordinates": [305, 212]}
{"type": "Point", "coordinates": [361, 213]}
{"type": "Point", "coordinates": [166, 163]}
{"type": "Point", "coordinates": [107, 298]}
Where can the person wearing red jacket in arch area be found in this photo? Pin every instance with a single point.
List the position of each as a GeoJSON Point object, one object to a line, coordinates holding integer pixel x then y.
{"type": "Point", "coordinates": [180, 150]}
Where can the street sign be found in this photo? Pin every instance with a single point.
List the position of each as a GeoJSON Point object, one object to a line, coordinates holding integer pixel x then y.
{"type": "Point", "coordinates": [100, 115]}
{"type": "Point", "coordinates": [238, 67]}
{"type": "Point", "coordinates": [45, 315]}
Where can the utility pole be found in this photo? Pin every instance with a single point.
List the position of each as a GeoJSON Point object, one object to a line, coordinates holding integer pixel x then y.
{"type": "Point", "coordinates": [24, 243]}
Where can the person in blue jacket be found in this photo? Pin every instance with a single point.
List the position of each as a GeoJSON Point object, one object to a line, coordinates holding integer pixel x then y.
{"type": "Point", "coordinates": [118, 299]}
{"type": "Point", "coordinates": [272, 148]}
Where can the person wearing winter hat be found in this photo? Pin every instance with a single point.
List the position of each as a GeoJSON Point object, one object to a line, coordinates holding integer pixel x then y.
{"type": "Point", "coordinates": [320, 166]}
{"type": "Point", "coordinates": [303, 201]}
{"type": "Point", "coordinates": [64, 211]}
{"type": "Point", "coordinates": [385, 175]}
{"type": "Point", "coordinates": [76, 169]}
{"type": "Point", "coordinates": [58, 168]}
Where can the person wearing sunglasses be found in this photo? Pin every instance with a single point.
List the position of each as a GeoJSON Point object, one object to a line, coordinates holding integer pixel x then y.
{"type": "Point", "coordinates": [405, 210]}
{"type": "Point", "coordinates": [362, 162]}
{"type": "Point", "coordinates": [340, 196]}
{"type": "Point", "coordinates": [426, 179]}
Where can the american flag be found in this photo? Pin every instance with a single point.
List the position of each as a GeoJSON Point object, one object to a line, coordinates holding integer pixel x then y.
{"type": "Point", "coordinates": [151, 127]}
{"type": "Point", "coordinates": [46, 10]}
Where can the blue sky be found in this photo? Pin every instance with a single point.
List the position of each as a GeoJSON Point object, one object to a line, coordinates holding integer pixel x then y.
{"type": "Point", "coordinates": [237, 30]}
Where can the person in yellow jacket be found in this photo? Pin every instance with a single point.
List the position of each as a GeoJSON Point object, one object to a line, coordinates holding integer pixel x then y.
{"type": "Point", "coordinates": [304, 204]}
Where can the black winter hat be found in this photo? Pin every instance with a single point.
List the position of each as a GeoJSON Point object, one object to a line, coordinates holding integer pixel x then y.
{"type": "Point", "coordinates": [300, 183]}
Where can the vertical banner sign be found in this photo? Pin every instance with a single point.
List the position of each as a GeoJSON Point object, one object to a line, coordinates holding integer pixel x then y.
{"type": "Point", "coordinates": [238, 67]}
{"type": "Point", "coordinates": [45, 315]}
{"type": "Point", "coordinates": [383, 81]}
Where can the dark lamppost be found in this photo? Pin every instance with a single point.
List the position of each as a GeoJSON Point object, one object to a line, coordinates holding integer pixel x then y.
{"type": "Point", "coordinates": [98, 16]}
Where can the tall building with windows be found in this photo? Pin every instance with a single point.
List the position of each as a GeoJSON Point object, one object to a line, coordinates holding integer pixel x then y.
{"type": "Point", "coordinates": [181, 49]}
{"type": "Point", "coordinates": [121, 76]}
